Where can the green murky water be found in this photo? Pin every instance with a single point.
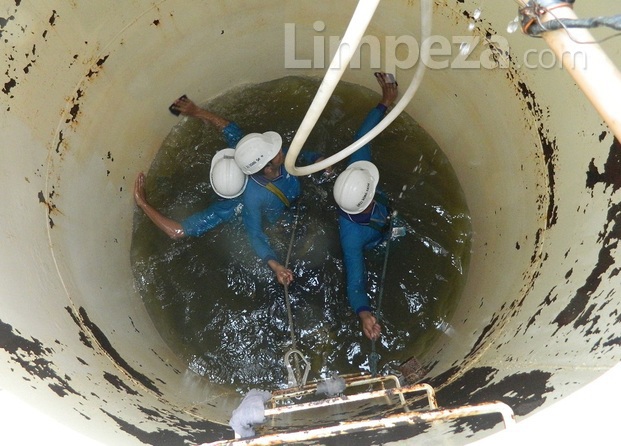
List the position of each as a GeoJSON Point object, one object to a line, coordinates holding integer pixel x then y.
{"type": "Point", "coordinates": [223, 311]}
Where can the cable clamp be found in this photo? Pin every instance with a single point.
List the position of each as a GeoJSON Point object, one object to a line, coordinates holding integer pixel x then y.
{"type": "Point", "coordinates": [533, 12]}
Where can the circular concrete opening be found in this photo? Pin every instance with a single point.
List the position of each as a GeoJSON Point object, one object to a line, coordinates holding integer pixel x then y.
{"type": "Point", "coordinates": [82, 99]}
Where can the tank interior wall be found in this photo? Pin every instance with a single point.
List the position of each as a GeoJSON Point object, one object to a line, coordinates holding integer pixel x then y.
{"type": "Point", "coordinates": [84, 96]}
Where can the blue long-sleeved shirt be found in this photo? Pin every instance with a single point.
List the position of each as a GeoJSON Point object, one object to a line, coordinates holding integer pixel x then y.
{"type": "Point", "coordinates": [232, 134]}
{"type": "Point", "coordinates": [359, 232]}
{"type": "Point", "coordinates": [224, 209]}
{"type": "Point", "coordinates": [260, 203]}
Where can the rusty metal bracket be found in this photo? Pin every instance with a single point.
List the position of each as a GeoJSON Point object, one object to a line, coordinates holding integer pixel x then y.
{"type": "Point", "coordinates": [291, 374]}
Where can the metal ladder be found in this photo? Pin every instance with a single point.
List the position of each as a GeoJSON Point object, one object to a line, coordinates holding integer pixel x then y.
{"type": "Point", "coordinates": [281, 404]}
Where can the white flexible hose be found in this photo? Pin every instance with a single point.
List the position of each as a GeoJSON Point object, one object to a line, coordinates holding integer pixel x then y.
{"type": "Point", "coordinates": [354, 33]}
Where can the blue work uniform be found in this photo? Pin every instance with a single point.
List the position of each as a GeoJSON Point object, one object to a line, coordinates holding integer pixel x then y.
{"type": "Point", "coordinates": [360, 232]}
{"type": "Point", "coordinates": [261, 203]}
{"type": "Point", "coordinates": [224, 209]}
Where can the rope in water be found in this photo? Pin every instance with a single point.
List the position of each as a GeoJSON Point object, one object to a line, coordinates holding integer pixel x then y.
{"type": "Point", "coordinates": [374, 356]}
{"type": "Point", "coordinates": [287, 300]}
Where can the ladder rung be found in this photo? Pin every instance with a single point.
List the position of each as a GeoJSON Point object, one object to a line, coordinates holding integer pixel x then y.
{"type": "Point", "coordinates": [350, 381]}
{"type": "Point", "coordinates": [400, 391]}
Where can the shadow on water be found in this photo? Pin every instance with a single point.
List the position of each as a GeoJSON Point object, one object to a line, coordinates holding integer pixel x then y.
{"type": "Point", "coordinates": [222, 310]}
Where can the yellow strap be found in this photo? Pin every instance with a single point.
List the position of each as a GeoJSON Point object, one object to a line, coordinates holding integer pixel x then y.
{"type": "Point", "coordinates": [278, 193]}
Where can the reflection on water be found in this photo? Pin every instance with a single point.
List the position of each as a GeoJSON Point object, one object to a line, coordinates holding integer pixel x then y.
{"type": "Point", "coordinates": [223, 311]}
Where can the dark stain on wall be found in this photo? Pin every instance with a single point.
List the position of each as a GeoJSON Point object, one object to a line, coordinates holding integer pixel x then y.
{"type": "Point", "coordinates": [93, 71]}
{"type": "Point", "coordinates": [610, 240]}
{"type": "Point", "coordinates": [116, 357]}
{"type": "Point", "coordinates": [4, 22]}
{"type": "Point", "coordinates": [405, 434]}
{"type": "Point", "coordinates": [73, 112]}
{"type": "Point", "coordinates": [549, 148]}
{"type": "Point", "coordinates": [51, 207]}
{"type": "Point", "coordinates": [198, 431]}
{"type": "Point", "coordinates": [118, 383]}
{"type": "Point", "coordinates": [615, 341]}
{"type": "Point", "coordinates": [523, 392]}
{"type": "Point", "coordinates": [611, 176]}
{"type": "Point", "coordinates": [191, 432]}
{"type": "Point", "coordinates": [83, 338]}
{"type": "Point", "coordinates": [609, 237]}
{"type": "Point", "coordinates": [549, 152]}
{"type": "Point", "coordinates": [484, 334]}
{"type": "Point", "coordinates": [32, 356]}
{"type": "Point", "coordinates": [166, 363]}
{"type": "Point", "coordinates": [547, 301]}
{"type": "Point", "coordinates": [537, 242]}
{"type": "Point", "coordinates": [159, 437]}
{"type": "Point", "coordinates": [61, 138]}
{"type": "Point", "coordinates": [9, 85]}
{"type": "Point", "coordinates": [53, 17]}
{"type": "Point", "coordinates": [18, 64]}
{"type": "Point", "coordinates": [101, 61]}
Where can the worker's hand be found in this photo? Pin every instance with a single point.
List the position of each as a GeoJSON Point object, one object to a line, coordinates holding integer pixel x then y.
{"type": "Point", "coordinates": [389, 89]}
{"type": "Point", "coordinates": [328, 174]}
{"type": "Point", "coordinates": [139, 194]}
{"type": "Point", "coordinates": [370, 327]}
{"type": "Point", "coordinates": [283, 275]}
{"type": "Point", "coordinates": [186, 107]}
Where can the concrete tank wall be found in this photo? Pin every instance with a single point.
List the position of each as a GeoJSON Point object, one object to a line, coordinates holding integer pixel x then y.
{"type": "Point", "coordinates": [84, 95]}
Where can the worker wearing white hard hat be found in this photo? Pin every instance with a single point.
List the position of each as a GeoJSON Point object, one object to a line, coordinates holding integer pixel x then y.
{"type": "Point", "coordinates": [226, 178]}
{"type": "Point", "coordinates": [354, 189]}
{"type": "Point", "coordinates": [271, 191]}
{"type": "Point", "coordinates": [255, 150]}
{"type": "Point", "coordinates": [364, 214]}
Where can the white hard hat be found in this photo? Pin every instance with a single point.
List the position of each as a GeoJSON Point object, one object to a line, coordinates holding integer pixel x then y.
{"type": "Point", "coordinates": [226, 178]}
{"type": "Point", "coordinates": [255, 150]}
{"type": "Point", "coordinates": [354, 188]}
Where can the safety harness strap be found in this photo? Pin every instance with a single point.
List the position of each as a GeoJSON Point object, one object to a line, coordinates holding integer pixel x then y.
{"type": "Point", "coordinates": [260, 179]}
{"type": "Point", "coordinates": [381, 226]}
{"type": "Point", "coordinates": [272, 188]}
